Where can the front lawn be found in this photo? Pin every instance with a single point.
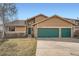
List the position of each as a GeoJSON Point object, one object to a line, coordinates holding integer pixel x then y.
{"type": "Point", "coordinates": [18, 47]}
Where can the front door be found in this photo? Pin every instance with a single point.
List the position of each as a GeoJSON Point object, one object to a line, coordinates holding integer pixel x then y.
{"type": "Point", "coordinates": [29, 30]}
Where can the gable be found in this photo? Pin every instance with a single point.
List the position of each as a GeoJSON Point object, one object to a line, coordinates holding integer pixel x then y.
{"type": "Point", "coordinates": [40, 18]}
{"type": "Point", "coordinates": [36, 19]}
{"type": "Point", "coordinates": [55, 21]}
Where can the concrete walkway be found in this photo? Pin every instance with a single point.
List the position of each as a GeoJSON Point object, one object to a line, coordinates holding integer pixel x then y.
{"type": "Point", "coordinates": [56, 48]}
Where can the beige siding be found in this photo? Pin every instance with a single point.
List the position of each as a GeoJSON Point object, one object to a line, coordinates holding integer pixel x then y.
{"type": "Point", "coordinates": [54, 22]}
{"type": "Point", "coordinates": [35, 31]}
{"type": "Point", "coordinates": [39, 18]}
{"type": "Point", "coordinates": [20, 28]}
{"type": "Point", "coordinates": [36, 19]}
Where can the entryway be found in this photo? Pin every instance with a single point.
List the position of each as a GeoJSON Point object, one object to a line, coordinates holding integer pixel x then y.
{"type": "Point", "coordinates": [30, 30]}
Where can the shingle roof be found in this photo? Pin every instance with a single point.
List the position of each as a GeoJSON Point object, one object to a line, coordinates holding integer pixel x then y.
{"type": "Point", "coordinates": [70, 19]}
{"type": "Point", "coordinates": [77, 20]}
{"type": "Point", "coordinates": [16, 23]}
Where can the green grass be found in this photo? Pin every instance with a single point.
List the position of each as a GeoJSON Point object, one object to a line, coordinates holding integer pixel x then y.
{"type": "Point", "coordinates": [18, 47]}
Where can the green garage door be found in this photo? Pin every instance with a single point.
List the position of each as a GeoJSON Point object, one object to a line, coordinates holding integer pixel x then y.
{"type": "Point", "coordinates": [48, 32]}
{"type": "Point", "coordinates": [66, 32]}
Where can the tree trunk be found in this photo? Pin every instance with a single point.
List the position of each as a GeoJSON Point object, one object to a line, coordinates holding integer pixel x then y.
{"type": "Point", "coordinates": [3, 33]}
{"type": "Point", "coordinates": [3, 18]}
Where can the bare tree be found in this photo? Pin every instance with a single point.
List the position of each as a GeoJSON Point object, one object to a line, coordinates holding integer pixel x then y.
{"type": "Point", "coordinates": [7, 13]}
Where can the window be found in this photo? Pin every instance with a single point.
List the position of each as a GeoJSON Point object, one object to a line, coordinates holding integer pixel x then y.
{"type": "Point", "coordinates": [12, 28]}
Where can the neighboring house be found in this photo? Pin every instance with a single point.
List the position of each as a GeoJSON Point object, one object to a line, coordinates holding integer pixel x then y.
{"type": "Point", "coordinates": [77, 22]}
{"type": "Point", "coordinates": [18, 26]}
{"type": "Point", "coordinates": [77, 25]}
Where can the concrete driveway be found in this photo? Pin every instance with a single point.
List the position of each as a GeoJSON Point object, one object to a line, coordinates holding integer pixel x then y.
{"type": "Point", "coordinates": [57, 47]}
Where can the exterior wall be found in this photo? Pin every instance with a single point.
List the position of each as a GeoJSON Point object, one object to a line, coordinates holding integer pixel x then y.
{"type": "Point", "coordinates": [20, 28]}
{"type": "Point", "coordinates": [54, 22]}
{"type": "Point", "coordinates": [39, 18]}
{"type": "Point", "coordinates": [35, 31]}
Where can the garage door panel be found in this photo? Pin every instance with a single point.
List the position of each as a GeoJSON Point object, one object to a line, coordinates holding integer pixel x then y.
{"type": "Point", "coordinates": [66, 32]}
{"type": "Point", "coordinates": [48, 32]}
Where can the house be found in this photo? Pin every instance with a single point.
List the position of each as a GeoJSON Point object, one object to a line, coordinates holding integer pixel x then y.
{"type": "Point", "coordinates": [77, 25]}
{"type": "Point", "coordinates": [42, 26]}
{"type": "Point", "coordinates": [54, 27]}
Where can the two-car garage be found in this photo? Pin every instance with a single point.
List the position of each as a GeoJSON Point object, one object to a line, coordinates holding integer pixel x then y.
{"type": "Point", "coordinates": [54, 32]}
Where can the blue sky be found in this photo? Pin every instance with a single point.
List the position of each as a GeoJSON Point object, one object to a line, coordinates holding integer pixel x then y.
{"type": "Point", "coordinates": [27, 10]}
